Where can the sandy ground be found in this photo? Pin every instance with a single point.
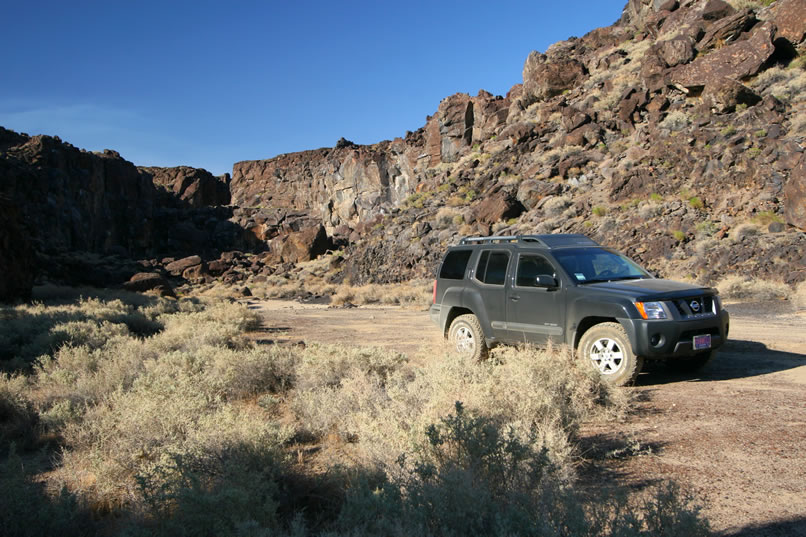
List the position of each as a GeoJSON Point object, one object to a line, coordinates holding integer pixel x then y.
{"type": "Point", "coordinates": [734, 434]}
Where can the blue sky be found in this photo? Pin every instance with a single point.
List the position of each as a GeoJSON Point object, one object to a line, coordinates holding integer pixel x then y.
{"type": "Point", "coordinates": [207, 84]}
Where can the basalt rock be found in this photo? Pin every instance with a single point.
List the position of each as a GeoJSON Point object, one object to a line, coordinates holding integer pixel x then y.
{"type": "Point", "coordinates": [795, 197]}
{"type": "Point", "coordinates": [737, 61]}
{"type": "Point", "coordinates": [194, 186]}
{"type": "Point", "coordinates": [543, 79]}
{"type": "Point", "coordinates": [790, 19]}
{"type": "Point", "coordinates": [303, 245]}
{"type": "Point", "coordinates": [17, 262]}
{"type": "Point", "coordinates": [497, 206]}
{"type": "Point", "coordinates": [149, 281]}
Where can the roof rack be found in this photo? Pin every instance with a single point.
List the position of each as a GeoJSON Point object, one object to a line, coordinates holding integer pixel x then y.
{"type": "Point", "coordinates": [546, 241]}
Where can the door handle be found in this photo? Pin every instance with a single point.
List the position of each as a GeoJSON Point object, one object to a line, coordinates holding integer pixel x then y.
{"type": "Point", "coordinates": [514, 298]}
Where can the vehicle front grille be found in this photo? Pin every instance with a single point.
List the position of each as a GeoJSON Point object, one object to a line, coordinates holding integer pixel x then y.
{"type": "Point", "coordinates": [696, 306]}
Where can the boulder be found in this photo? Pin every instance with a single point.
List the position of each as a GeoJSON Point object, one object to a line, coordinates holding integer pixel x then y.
{"type": "Point", "coordinates": [717, 9]}
{"type": "Point", "coordinates": [726, 30]}
{"type": "Point", "coordinates": [795, 197]}
{"type": "Point", "coordinates": [676, 51]}
{"type": "Point", "coordinates": [531, 191]}
{"type": "Point", "coordinates": [543, 79]}
{"type": "Point", "coordinates": [500, 205]}
{"type": "Point", "coordinates": [572, 118]}
{"type": "Point", "coordinates": [664, 5]}
{"type": "Point", "coordinates": [17, 262]}
{"type": "Point", "coordinates": [737, 61]}
{"type": "Point", "coordinates": [790, 19]}
{"type": "Point", "coordinates": [196, 273]}
{"type": "Point", "coordinates": [726, 94]}
{"type": "Point", "coordinates": [149, 281]}
{"type": "Point", "coordinates": [176, 268]}
{"type": "Point", "coordinates": [302, 245]}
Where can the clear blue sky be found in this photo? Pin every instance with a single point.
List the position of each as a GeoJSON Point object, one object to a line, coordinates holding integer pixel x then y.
{"type": "Point", "coordinates": [207, 84]}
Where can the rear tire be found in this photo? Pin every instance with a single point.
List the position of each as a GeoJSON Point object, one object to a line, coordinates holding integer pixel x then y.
{"type": "Point", "coordinates": [607, 347]}
{"type": "Point", "coordinates": [467, 337]}
{"type": "Point", "coordinates": [692, 363]}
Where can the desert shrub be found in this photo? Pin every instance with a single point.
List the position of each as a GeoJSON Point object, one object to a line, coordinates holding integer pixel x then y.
{"type": "Point", "coordinates": [765, 218]}
{"type": "Point", "coordinates": [18, 419]}
{"type": "Point", "coordinates": [787, 85]}
{"type": "Point", "coordinates": [749, 4]}
{"type": "Point", "coordinates": [556, 205]}
{"type": "Point", "coordinates": [236, 493]}
{"type": "Point", "coordinates": [27, 509]}
{"type": "Point", "coordinates": [737, 287]}
{"type": "Point", "coordinates": [29, 331]}
{"type": "Point", "coordinates": [445, 217]}
{"type": "Point", "coordinates": [706, 228]}
{"type": "Point", "coordinates": [743, 231]}
{"type": "Point", "coordinates": [412, 293]}
{"type": "Point", "coordinates": [471, 477]}
{"type": "Point", "coordinates": [180, 406]}
{"type": "Point", "coordinates": [385, 410]}
{"type": "Point", "coordinates": [675, 120]}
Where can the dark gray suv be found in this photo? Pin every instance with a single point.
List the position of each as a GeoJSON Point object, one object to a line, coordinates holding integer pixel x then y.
{"type": "Point", "coordinates": [569, 289]}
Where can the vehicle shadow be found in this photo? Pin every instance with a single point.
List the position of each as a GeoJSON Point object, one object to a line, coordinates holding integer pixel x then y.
{"type": "Point", "coordinates": [795, 527]}
{"type": "Point", "coordinates": [736, 359]}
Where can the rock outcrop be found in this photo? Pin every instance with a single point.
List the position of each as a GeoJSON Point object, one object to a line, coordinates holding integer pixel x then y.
{"type": "Point", "coordinates": [194, 186]}
{"type": "Point", "coordinates": [674, 135]}
{"type": "Point", "coordinates": [17, 263]}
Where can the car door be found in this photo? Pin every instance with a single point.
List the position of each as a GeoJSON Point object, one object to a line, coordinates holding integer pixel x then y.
{"type": "Point", "coordinates": [534, 314]}
{"type": "Point", "coordinates": [490, 275]}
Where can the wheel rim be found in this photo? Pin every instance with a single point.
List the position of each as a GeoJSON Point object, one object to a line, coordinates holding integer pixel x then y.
{"type": "Point", "coordinates": [607, 356]}
{"type": "Point", "coordinates": [465, 342]}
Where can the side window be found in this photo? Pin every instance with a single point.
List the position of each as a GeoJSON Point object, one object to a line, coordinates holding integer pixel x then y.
{"type": "Point", "coordinates": [453, 268]}
{"type": "Point", "coordinates": [530, 267]}
{"type": "Point", "coordinates": [481, 268]}
{"type": "Point", "coordinates": [492, 267]}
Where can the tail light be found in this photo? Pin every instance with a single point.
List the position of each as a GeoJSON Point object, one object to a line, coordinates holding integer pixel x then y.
{"type": "Point", "coordinates": [434, 297]}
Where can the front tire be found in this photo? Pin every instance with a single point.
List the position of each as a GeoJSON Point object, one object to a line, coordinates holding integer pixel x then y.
{"type": "Point", "coordinates": [467, 338]}
{"type": "Point", "coordinates": [607, 347]}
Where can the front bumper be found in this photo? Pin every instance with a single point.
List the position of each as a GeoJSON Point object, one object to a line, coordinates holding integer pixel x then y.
{"type": "Point", "coordinates": [675, 337]}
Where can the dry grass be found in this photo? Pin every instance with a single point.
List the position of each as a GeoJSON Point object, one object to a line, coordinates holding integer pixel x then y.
{"type": "Point", "coordinates": [744, 288]}
{"type": "Point", "coordinates": [786, 84]}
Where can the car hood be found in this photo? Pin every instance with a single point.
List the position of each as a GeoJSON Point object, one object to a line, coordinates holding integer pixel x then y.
{"type": "Point", "coordinates": [651, 288]}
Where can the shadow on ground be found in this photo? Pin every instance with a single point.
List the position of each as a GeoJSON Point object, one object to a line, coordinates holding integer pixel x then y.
{"type": "Point", "coordinates": [736, 359]}
{"type": "Point", "coordinates": [795, 527]}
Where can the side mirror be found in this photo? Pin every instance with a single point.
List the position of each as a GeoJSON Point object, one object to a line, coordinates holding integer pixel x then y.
{"type": "Point", "coordinates": [544, 280]}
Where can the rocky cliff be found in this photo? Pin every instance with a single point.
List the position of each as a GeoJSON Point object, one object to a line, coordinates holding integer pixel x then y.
{"type": "Point", "coordinates": [72, 206]}
{"type": "Point", "coordinates": [675, 135]}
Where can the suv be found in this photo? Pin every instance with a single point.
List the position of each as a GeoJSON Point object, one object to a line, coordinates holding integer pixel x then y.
{"type": "Point", "coordinates": [569, 289]}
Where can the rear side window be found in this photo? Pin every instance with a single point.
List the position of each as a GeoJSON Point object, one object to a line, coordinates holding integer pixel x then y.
{"type": "Point", "coordinates": [453, 268]}
{"type": "Point", "coordinates": [492, 267]}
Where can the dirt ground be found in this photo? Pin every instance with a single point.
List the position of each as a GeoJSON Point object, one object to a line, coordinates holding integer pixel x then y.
{"type": "Point", "coordinates": [734, 434]}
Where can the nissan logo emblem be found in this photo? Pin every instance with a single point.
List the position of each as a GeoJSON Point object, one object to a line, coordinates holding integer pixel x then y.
{"type": "Point", "coordinates": [695, 306]}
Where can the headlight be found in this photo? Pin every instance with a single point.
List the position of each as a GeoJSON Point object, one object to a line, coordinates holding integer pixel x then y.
{"type": "Point", "coordinates": [651, 310]}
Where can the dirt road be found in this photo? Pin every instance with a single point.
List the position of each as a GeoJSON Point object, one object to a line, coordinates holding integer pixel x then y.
{"type": "Point", "coordinates": [735, 433]}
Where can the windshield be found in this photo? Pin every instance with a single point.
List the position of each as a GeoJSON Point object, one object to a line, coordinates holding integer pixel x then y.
{"type": "Point", "coordinates": [588, 265]}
